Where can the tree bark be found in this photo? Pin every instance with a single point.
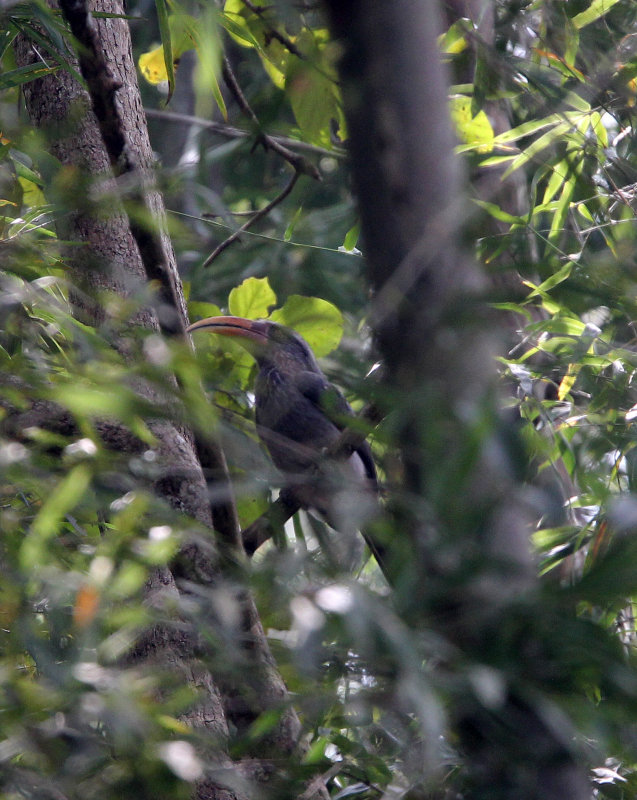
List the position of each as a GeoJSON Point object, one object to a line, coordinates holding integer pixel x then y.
{"type": "Point", "coordinates": [433, 331]}
{"type": "Point", "coordinates": [111, 262]}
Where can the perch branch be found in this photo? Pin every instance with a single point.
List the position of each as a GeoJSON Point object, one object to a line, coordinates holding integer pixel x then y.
{"type": "Point", "coordinates": [255, 218]}
{"type": "Point", "coordinates": [231, 132]}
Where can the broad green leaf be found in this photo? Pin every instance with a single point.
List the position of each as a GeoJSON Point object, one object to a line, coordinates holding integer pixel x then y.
{"type": "Point", "coordinates": [250, 506]}
{"type": "Point", "coordinates": [472, 130]}
{"type": "Point", "coordinates": [527, 128]}
{"type": "Point", "coordinates": [561, 325]}
{"type": "Point", "coordinates": [253, 299]}
{"type": "Point", "coordinates": [32, 196]}
{"type": "Point", "coordinates": [493, 161]}
{"type": "Point", "coordinates": [585, 213]}
{"type": "Point", "coordinates": [320, 323]}
{"type": "Point", "coordinates": [198, 310]}
{"type": "Point", "coordinates": [533, 126]}
{"type": "Point", "coordinates": [312, 90]}
{"type": "Point", "coordinates": [7, 37]}
{"type": "Point", "coordinates": [578, 103]}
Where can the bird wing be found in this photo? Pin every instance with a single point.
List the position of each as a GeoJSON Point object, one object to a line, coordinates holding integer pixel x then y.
{"type": "Point", "coordinates": [326, 397]}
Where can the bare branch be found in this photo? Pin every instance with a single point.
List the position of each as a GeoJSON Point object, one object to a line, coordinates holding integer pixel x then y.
{"type": "Point", "coordinates": [231, 132]}
{"type": "Point", "coordinates": [249, 223]}
{"type": "Point", "coordinates": [300, 164]}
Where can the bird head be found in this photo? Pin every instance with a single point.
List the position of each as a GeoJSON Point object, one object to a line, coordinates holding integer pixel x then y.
{"type": "Point", "coordinates": [270, 343]}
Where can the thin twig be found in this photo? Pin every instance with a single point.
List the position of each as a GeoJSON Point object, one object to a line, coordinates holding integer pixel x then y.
{"type": "Point", "coordinates": [262, 212]}
{"type": "Point", "coordinates": [300, 163]}
{"type": "Point", "coordinates": [272, 31]}
{"type": "Point", "coordinates": [231, 132]}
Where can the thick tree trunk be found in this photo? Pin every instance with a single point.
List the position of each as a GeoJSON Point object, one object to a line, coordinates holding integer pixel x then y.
{"type": "Point", "coordinates": [460, 506]}
{"type": "Point", "coordinates": [112, 263]}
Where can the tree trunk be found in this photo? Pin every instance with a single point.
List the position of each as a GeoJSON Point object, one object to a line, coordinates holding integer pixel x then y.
{"type": "Point", "coordinates": [461, 506]}
{"type": "Point", "coordinates": [112, 262]}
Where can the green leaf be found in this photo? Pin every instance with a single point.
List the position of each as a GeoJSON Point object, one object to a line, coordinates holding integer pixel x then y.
{"type": "Point", "coordinates": [497, 213]}
{"type": "Point", "coordinates": [561, 212]}
{"type": "Point", "coordinates": [596, 10]}
{"type": "Point", "coordinates": [561, 275]}
{"type": "Point", "coordinates": [203, 310]}
{"type": "Point", "coordinates": [249, 30]}
{"type": "Point", "coordinates": [319, 322]}
{"type": "Point", "coordinates": [25, 172]}
{"type": "Point", "coordinates": [16, 77]}
{"type": "Point", "coordinates": [253, 299]}
{"type": "Point", "coordinates": [311, 86]}
{"type": "Point", "coordinates": [238, 29]}
{"type": "Point", "coordinates": [57, 503]}
{"type": "Point", "coordinates": [454, 41]}
{"type": "Point", "coordinates": [313, 97]}
{"type": "Point", "coordinates": [351, 237]}
{"type": "Point", "coordinates": [472, 130]}
{"type": "Point", "coordinates": [209, 52]}
{"type": "Point", "coordinates": [251, 506]}
{"type": "Point", "coordinates": [290, 228]}
{"type": "Point", "coordinates": [87, 400]}
{"type": "Point", "coordinates": [166, 40]}
{"type": "Point", "coordinates": [537, 146]}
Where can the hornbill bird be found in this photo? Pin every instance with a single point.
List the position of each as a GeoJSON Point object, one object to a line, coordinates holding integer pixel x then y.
{"type": "Point", "coordinates": [300, 415]}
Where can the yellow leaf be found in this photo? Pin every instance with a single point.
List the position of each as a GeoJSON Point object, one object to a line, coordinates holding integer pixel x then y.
{"type": "Point", "coordinates": [153, 67]}
{"type": "Point", "coordinates": [473, 130]}
{"type": "Point", "coordinates": [567, 382]}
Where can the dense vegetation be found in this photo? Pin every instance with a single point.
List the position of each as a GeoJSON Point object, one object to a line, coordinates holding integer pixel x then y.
{"type": "Point", "coordinates": [249, 131]}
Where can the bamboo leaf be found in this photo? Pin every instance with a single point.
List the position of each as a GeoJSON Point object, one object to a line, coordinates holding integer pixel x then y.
{"type": "Point", "coordinates": [597, 9]}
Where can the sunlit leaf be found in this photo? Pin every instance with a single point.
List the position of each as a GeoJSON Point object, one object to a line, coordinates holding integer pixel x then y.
{"type": "Point", "coordinates": [472, 130]}
{"type": "Point", "coordinates": [319, 322]}
{"type": "Point", "coordinates": [252, 299]}
{"type": "Point", "coordinates": [597, 9]}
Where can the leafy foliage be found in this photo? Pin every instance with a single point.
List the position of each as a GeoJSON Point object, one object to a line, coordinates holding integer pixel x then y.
{"type": "Point", "coordinates": [82, 530]}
